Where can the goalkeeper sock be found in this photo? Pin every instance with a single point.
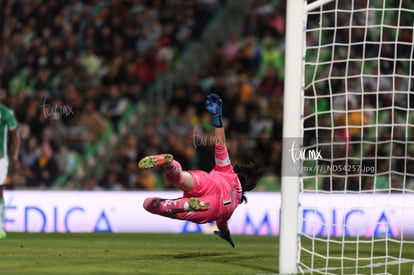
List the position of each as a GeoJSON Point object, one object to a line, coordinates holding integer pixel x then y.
{"type": "Point", "coordinates": [166, 207]}
{"type": "Point", "coordinates": [173, 173]}
{"type": "Point", "coordinates": [174, 206]}
{"type": "Point", "coordinates": [182, 205]}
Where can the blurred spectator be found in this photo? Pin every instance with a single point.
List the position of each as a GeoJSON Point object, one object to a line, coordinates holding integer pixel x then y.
{"type": "Point", "coordinates": [114, 105]}
{"type": "Point", "coordinates": [354, 120]}
{"type": "Point", "coordinates": [132, 148]}
{"type": "Point", "coordinates": [92, 185]}
{"type": "Point", "coordinates": [30, 151]}
{"type": "Point", "coordinates": [258, 124]}
{"type": "Point", "coordinates": [110, 180]}
{"type": "Point", "coordinates": [181, 149]}
{"type": "Point", "coordinates": [130, 175]}
{"type": "Point", "coordinates": [121, 157]}
{"type": "Point", "coordinates": [250, 54]}
{"type": "Point", "coordinates": [382, 179]}
{"type": "Point", "coordinates": [91, 62]}
{"type": "Point", "coordinates": [145, 180]}
{"type": "Point", "coordinates": [246, 90]}
{"type": "Point", "coordinates": [232, 47]}
{"type": "Point", "coordinates": [65, 159]}
{"type": "Point", "coordinates": [76, 135]}
{"type": "Point", "coordinates": [270, 84]}
{"type": "Point", "coordinates": [47, 139]}
{"type": "Point", "coordinates": [31, 118]}
{"type": "Point", "coordinates": [44, 170]}
{"type": "Point", "coordinates": [272, 57]}
{"type": "Point", "coordinates": [95, 123]}
{"type": "Point", "coordinates": [180, 99]}
{"type": "Point", "coordinates": [130, 85]}
{"type": "Point", "coordinates": [57, 130]}
{"type": "Point", "coordinates": [239, 123]}
{"type": "Point", "coordinates": [218, 61]}
{"type": "Point", "coordinates": [14, 181]}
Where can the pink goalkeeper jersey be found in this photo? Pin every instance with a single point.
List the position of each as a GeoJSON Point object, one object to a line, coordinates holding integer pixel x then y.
{"type": "Point", "coordinates": [221, 187]}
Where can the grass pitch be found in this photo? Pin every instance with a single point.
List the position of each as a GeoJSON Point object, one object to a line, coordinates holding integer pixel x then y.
{"type": "Point", "coordinates": [29, 253]}
{"type": "Point", "coordinates": [154, 254]}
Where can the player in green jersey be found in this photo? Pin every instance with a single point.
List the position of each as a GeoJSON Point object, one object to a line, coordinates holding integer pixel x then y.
{"type": "Point", "coordinates": [8, 125]}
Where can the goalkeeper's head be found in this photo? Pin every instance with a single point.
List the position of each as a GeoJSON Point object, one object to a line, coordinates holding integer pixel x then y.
{"type": "Point", "coordinates": [249, 169]}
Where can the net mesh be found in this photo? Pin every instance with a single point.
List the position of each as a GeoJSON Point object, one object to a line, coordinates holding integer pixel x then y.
{"type": "Point", "coordinates": [357, 181]}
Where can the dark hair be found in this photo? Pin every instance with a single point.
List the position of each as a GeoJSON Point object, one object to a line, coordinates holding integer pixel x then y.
{"type": "Point", "coordinates": [249, 169]}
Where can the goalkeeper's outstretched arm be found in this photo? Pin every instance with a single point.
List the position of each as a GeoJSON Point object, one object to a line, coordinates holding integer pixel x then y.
{"type": "Point", "coordinates": [219, 136]}
{"type": "Point", "coordinates": [214, 105]}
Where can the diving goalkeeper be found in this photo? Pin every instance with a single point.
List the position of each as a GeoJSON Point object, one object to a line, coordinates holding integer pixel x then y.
{"type": "Point", "coordinates": [208, 196]}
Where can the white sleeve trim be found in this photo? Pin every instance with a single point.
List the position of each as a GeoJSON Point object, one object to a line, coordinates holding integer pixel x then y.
{"type": "Point", "coordinates": [13, 128]}
{"type": "Point", "coordinates": [223, 162]}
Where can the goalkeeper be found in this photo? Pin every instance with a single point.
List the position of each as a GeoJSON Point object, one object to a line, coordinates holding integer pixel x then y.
{"type": "Point", "coordinates": [207, 196]}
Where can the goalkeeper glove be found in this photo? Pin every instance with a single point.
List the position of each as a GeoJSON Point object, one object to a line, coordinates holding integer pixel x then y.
{"type": "Point", "coordinates": [225, 236]}
{"type": "Point", "coordinates": [214, 106]}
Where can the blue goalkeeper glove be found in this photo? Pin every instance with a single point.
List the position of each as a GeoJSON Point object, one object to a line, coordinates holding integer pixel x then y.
{"type": "Point", "coordinates": [214, 106]}
{"type": "Point", "coordinates": [225, 236]}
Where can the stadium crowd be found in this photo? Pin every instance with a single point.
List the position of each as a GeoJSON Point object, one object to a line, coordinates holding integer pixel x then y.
{"type": "Point", "coordinates": [247, 72]}
{"type": "Point", "coordinates": [71, 71]}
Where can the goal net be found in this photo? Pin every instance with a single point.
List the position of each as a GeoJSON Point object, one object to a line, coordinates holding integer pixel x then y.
{"type": "Point", "coordinates": [356, 150]}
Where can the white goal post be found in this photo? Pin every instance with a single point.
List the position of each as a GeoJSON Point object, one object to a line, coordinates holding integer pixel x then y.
{"type": "Point", "coordinates": [348, 138]}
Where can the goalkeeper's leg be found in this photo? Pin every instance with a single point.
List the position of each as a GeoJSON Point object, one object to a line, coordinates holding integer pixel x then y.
{"type": "Point", "coordinates": [170, 207]}
{"type": "Point", "coordinates": [172, 168]}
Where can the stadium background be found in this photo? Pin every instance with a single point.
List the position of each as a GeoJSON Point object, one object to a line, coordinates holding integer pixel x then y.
{"type": "Point", "coordinates": [96, 85]}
